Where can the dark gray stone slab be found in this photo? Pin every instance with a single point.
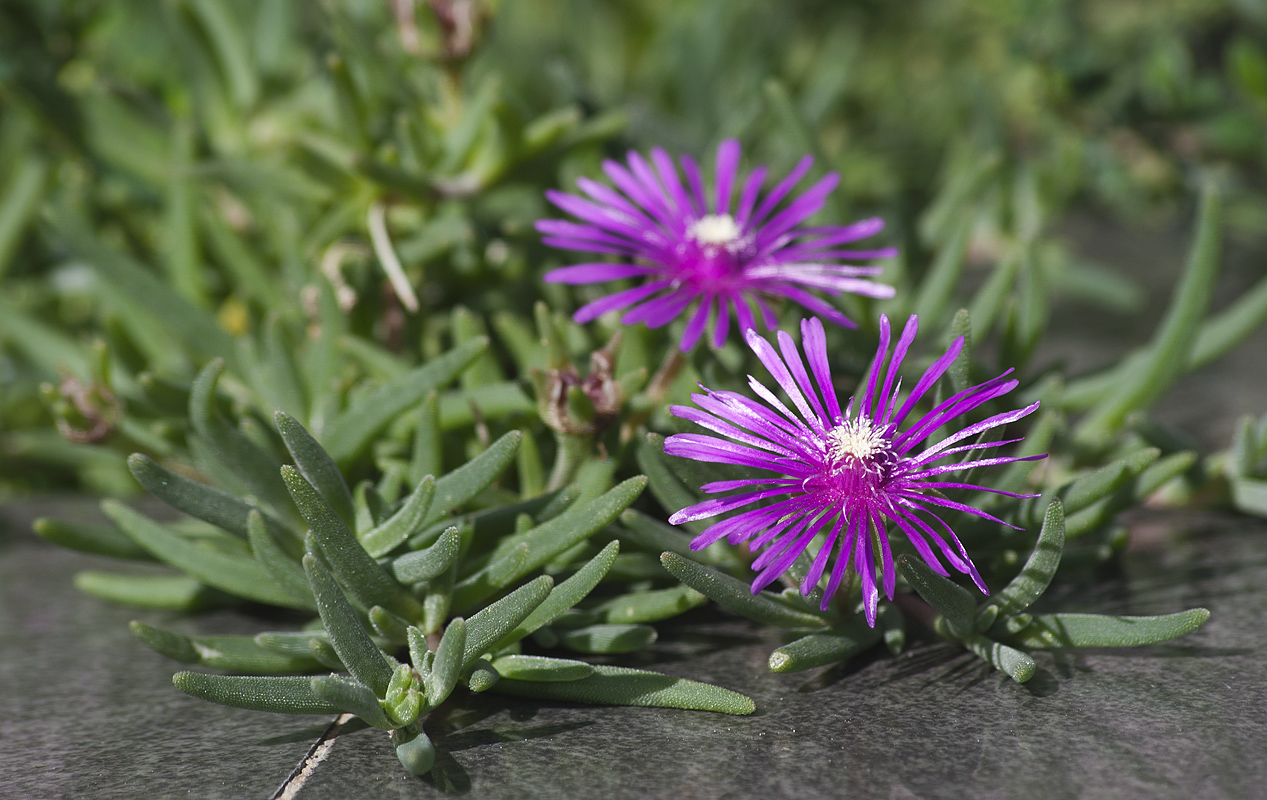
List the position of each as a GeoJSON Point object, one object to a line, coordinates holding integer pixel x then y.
{"type": "Point", "coordinates": [87, 711]}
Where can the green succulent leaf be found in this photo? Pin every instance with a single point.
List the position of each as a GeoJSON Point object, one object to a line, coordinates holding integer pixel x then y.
{"type": "Point", "coordinates": [457, 487]}
{"type": "Point", "coordinates": [565, 595]}
{"type": "Point", "coordinates": [239, 654]}
{"type": "Point", "coordinates": [1095, 630]}
{"type": "Point", "coordinates": [540, 668]}
{"type": "Point", "coordinates": [622, 686]}
{"type": "Point", "coordinates": [446, 667]}
{"type": "Point", "coordinates": [1036, 575]}
{"type": "Point", "coordinates": [99, 540]}
{"type": "Point", "coordinates": [825, 647]}
{"type": "Point", "coordinates": [424, 565]}
{"type": "Point", "coordinates": [653, 535]}
{"type": "Point", "coordinates": [737, 595]}
{"type": "Point", "coordinates": [238, 575]}
{"type": "Point", "coordinates": [546, 541]}
{"type": "Point", "coordinates": [316, 465]}
{"type": "Point", "coordinates": [286, 572]}
{"type": "Point", "coordinates": [416, 753]}
{"type": "Point", "coordinates": [368, 582]}
{"type": "Point", "coordinates": [167, 592]}
{"type": "Point", "coordinates": [351, 431]}
{"type": "Point", "coordinates": [1016, 665]}
{"type": "Point", "coordinates": [288, 695]}
{"type": "Point", "coordinates": [652, 605]}
{"type": "Point", "coordinates": [355, 647]}
{"type": "Point", "coordinates": [948, 598]}
{"type": "Point", "coordinates": [246, 468]}
{"type": "Point", "coordinates": [487, 627]}
{"type": "Point", "coordinates": [406, 522]}
{"type": "Point", "coordinates": [353, 697]}
{"type": "Point", "coordinates": [607, 639]}
{"type": "Point", "coordinates": [195, 499]}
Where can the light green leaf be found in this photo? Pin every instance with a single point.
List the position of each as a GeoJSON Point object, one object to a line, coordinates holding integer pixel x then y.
{"type": "Point", "coordinates": [351, 431]}
{"type": "Point", "coordinates": [424, 565]}
{"type": "Point", "coordinates": [540, 668]}
{"type": "Point", "coordinates": [1038, 571]}
{"type": "Point", "coordinates": [289, 695]}
{"type": "Point", "coordinates": [286, 572]}
{"type": "Point", "coordinates": [368, 582]}
{"type": "Point", "coordinates": [607, 639]}
{"type": "Point", "coordinates": [737, 595]}
{"type": "Point", "coordinates": [405, 523]}
{"type": "Point", "coordinates": [651, 606]}
{"type": "Point", "coordinates": [316, 465]}
{"type": "Point", "coordinates": [1095, 630]}
{"type": "Point", "coordinates": [446, 667]}
{"type": "Point", "coordinates": [353, 697]}
{"type": "Point", "coordinates": [240, 654]}
{"type": "Point", "coordinates": [827, 647]}
{"type": "Point", "coordinates": [100, 540]}
{"type": "Point", "coordinates": [1016, 665]}
{"type": "Point", "coordinates": [168, 592]}
{"type": "Point", "coordinates": [948, 598]}
{"type": "Point", "coordinates": [238, 575]}
{"type": "Point", "coordinates": [356, 649]}
{"type": "Point", "coordinates": [621, 686]}
{"type": "Point", "coordinates": [492, 623]}
{"type": "Point", "coordinates": [457, 487]}
{"type": "Point", "coordinates": [565, 595]}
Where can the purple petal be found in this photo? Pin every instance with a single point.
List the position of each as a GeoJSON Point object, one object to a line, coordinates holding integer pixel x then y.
{"type": "Point", "coordinates": [721, 326]}
{"type": "Point", "coordinates": [748, 198]}
{"type": "Point", "coordinates": [814, 340]}
{"type": "Point", "coordinates": [612, 302]}
{"type": "Point", "coordinates": [781, 189]}
{"type": "Point", "coordinates": [727, 164]}
{"type": "Point", "coordinates": [595, 273]}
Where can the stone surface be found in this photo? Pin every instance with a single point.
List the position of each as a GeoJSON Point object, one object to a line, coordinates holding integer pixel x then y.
{"type": "Point", "coordinates": [86, 710]}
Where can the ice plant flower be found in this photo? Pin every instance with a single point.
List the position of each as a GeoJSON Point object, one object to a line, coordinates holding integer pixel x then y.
{"type": "Point", "coordinates": [841, 473]}
{"type": "Point", "coordinates": [705, 248]}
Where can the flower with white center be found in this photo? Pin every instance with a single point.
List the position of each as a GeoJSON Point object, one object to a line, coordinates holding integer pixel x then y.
{"type": "Point", "coordinates": [841, 476]}
{"type": "Point", "coordinates": [711, 253]}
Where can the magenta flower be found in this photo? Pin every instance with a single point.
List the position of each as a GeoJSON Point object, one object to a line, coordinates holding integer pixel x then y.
{"type": "Point", "coordinates": [693, 246]}
{"type": "Point", "coordinates": [839, 473]}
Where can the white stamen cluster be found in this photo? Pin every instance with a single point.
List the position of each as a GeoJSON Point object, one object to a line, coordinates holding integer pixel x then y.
{"type": "Point", "coordinates": [715, 229]}
{"type": "Point", "coordinates": [858, 438]}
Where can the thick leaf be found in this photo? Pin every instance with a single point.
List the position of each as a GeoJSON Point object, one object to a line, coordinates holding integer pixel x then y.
{"type": "Point", "coordinates": [416, 754]}
{"type": "Point", "coordinates": [405, 523]}
{"type": "Point", "coordinates": [565, 595]}
{"type": "Point", "coordinates": [316, 465]}
{"type": "Point", "coordinates": [195, 499]}
{"type": "Point", "coordinates": [446, 667]}
{"type": "Point", "coordinates": [540, 668]}
{"type": "Point", "coordinates": [737, 595]}
{"type": "Point", "coordinates": [1095, 630]}
{"type": "Point", "coordinates": [287, 573]}
{"type": "Point", "coordinates": [491, 624]}
{"type": "Point", "coordinates": [827, 647]}
{"type": "Point", "coordinates": [100, 540]}
{"type": "Point", "coordinates": [666, 487]}
{"type": "Point", "coordinates": [240, 654]}
{"type": "Point", "coordinates": [653, 535]}
{"type": "Point", "coordinates": [355, 647]}
{"type": "Point", "coordinates": [240, 461]}
{"type": "Point", "coordinates": [621, 686]}
{"type": "Point", "coordinates": [1016, 665]}
{"type": "Point", "coordinates": [948, 598]}
{"type": "Point", "coordinates": [352, 697]}
{"type": "Point", "coordinates": [607, 639]}
{"type": "Point", "coordinates": [351, 431]}
{"type": "Point", "coordinates": [168, 592]}
{"type": "Point", "coordinates": [1169, 351]}
{"type": "Point", "coordinates": [651, 606]}
{"type": "Point", "coordinates": [427, 449]}
{"type": "Point", "coordinates": [547, 541]}
{"type": "Point", "coordinates": [290, 695]}
{"type": "Point", "coordinates": [425, 565]}
{"type": "Point", "coordinates": [238, 575]}
{"type": "Point", "coordinates": [368, 582]}
{"type": "Point", "coordinates": [473, 477]}
{"type": "Point", "coordinates": [1037, 573]}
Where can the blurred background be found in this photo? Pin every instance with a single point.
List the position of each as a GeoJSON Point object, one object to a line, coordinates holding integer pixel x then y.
{"type": "Point", "coordinates": [189, 178]}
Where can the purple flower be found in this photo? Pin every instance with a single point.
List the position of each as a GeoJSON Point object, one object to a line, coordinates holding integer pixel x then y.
{"type": "Point", "coordinates": [693, 246]}
{"type": "Point", "coordinates": [839, 473]}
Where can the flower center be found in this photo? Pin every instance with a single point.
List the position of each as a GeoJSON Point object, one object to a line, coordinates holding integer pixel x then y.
{"type": "Point", "coordinates": [715, 229]}
{"type": "Point", "coordinates": [856, 438]}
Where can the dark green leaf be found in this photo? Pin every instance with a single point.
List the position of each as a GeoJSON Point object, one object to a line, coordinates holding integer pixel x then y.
{"type": "Point", "coordinates": [240, 654]}
{"type": "Point", "coordinates": [827, 647]}
{"type": "Point", "coordinates": [607, 639]}
{"type": "Point", "coordinates": [540, 668]}
{"type": "Point", "coordinates": [565, 595]}
{"type": "Point", "coordinates": [486, 628]}
{"type": "Point", "coordinates": [1037, 573]}
{"type": "Point", "coordinates": [948, 598]}
{"type": "Point", "coordinates": [1095, 630]}
{"type": "Point", "coordinates": [737, 595]}
{"type": "Point", "coordinates": [316, 465]}
{"type": "Point", "coordinates": [405, 523]}
{"type": "Point", "coordinates": [100, 540]}
{"type": "Point", "coordinates": [353, 697]}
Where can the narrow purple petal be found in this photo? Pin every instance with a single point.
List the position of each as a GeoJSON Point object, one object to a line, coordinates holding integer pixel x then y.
{"type": "Point", "coordinates": [781, 189]}
{"type": "Point", "coordinates": [613, 302]}
{"type": "Point", "coordinates": [727, 166]}
{"type": "Point", "coordinates": [695, 328]}
{"type": "Point", "coordinates": [814, 340]}
{"type": "Point", "coordinates": [751, 188]}
{"type": "Point", "coordinates": [595, 273]}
